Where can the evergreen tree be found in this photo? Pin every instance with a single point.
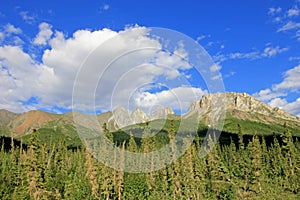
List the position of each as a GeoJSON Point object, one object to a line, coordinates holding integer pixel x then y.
{"type": "Point", "coordinates": [241, 137]}
{"type": "Point", "coordinates": [107, 133]}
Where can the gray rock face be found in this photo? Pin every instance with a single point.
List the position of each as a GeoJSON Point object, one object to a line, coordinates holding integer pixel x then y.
{"type": "Point", "coordinates": [123, 117]}
{"type": "Point", "coordinates": [236, 103]}
{"type": "Point", "coordinates": [138, 116]}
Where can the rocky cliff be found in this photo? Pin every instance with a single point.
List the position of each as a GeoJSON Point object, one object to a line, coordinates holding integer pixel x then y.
{"type": "Point", "coordinates": [240, 106]}
{"type": "Point", "coordinates": [122, 117]}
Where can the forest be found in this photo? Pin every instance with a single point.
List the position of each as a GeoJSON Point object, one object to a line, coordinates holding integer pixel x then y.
{"type": "Point", "coordinates": [258, 167]}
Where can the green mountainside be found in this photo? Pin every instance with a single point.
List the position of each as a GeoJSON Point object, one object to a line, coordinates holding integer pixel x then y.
{"type": "Point", "coordinates": [253, 116]}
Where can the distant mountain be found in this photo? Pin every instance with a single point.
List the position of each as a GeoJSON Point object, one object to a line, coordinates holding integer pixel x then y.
{"type": "Point", "coordinates": [32, 119]}
{"type": "Point", "coordinates": [241, 108]}
{"type": "Point", "coordinates": [122, 117]}
{"type": "Point", "coordinates": [6, 117]}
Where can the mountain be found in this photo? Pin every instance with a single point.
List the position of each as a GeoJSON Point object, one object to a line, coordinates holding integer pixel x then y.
{"type": "Point", "coordinates": [122, 117]}
{"type": "Point", "coordinates": [6, 117]}
{"type": "Point", "coordinates": [138, 116]}
{"type": "Point", "coordinates": [251, 114]}
{"type": "Point", "coordinates": [241, 107]}
{"type": "Point", "coordinates": [31, 119]}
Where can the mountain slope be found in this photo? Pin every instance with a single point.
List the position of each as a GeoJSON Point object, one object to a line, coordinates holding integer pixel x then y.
{"type": "Point", "coordinates": [244, 109]}
{"type": "Point", "coordinates": [253, 116]}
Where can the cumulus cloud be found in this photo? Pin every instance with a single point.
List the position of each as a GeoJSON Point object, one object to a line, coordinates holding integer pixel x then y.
{"type": "Point", "coordinates": [21, 77]}
{"type": "Point", "coordinates": [291, 80]}
{"type": "Point", "coordinates": [292, 107]}
{"type": "Point", "coordinates": [44, 34]}
{"type": "Point", "coordinates": [111, 72]}
{"type": "Point", "coordinates": [275, 96]}
{"type": "Point", "coordinates": [178, 98]}
{"type": "Point", "coordinates": [11, 29]}
{"type": "Point", "coordinates": [267, 94]}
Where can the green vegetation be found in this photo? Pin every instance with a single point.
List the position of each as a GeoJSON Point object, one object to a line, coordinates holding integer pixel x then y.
{"type": "Point", "coordinates": [261, 168]}
{"type": "Point", "coordinates": [260, 128]}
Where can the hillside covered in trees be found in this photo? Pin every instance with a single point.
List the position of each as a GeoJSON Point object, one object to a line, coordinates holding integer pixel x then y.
{"type": "Point", "coordinates": [242, 167]}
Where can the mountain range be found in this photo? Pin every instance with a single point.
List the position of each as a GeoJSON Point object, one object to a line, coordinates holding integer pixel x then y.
{"type": "Point", "coordinates": [255, 116]}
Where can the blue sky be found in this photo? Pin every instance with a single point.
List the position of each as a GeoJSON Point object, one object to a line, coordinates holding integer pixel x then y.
{"type": "Point", "coordinates": [255, 45]}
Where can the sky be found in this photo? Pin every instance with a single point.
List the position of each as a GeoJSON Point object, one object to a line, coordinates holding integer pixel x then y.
{"type": "Point", "coordinates": [254, 46]}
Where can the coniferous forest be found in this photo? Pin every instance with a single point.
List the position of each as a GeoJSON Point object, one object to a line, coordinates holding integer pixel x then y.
{"type": "Point", "coordinates": [257, 169]}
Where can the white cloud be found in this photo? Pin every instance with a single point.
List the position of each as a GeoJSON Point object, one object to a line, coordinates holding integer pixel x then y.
{"type": "Point", "coordinates": [298, 35]}
{"type": "Point", "coordinates": [17, 41]}
{"type": "Point", "coordinates": [215, 67]}
{"type": "Point", "coordinates": [250, 55]}
{"type": "Point", "coordinates": [11, 29]}
{"type": "Point", "coordinates": [267, 94]}
{"type": "Point", "coordinates": [278, 102]}
{"type": "Point", "coordinates": [20, 78]}
{"type": "Point", "coordinates": [289, 26]}
{"type": "Point", "coordinates": [273, 10]}
{"type": "Point", "coordinates": [232, 73]}
{"type": "Point", "coordinates": [291, 107]}
{"type": "Point", "coordinates": [277, 19]}
{"type": "Point", "coordinates": [175, 61]}
{"type": "Point", "coordinates": [287, 19]}
{"type": "Point", "coordinates": [2, 36]}
{"type": "Point", "coordinates": [272, 51]}
{"type": "Point", "coordinates": [275, 96]}
{"type": "Point", "coordinates": [202, 37]}
{"type": "Point", "coordinates": [106, 7]}
{"type": "Point", "coordinates": [216, 77]}
{"type": "Point", "coordinates": [44, 34]}
{"type": "Point", "coordinates": [293, 12]}
{"type": "Point", "coordinates": [177, 98]}
{"type": "Point", "coordinates": [269, 51]}
{"type": "Point", "coordinates": [291, 80]}
{"type": "Point", "coordinates": [51, 80]}
{"type": "Point", "coordinates": [292, 58]}
{"type": "Point", "coordinates": [26, 17]}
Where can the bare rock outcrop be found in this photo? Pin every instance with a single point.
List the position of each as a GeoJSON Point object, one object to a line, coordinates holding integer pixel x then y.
{"type": "Point", "coordinates": [239, 105]}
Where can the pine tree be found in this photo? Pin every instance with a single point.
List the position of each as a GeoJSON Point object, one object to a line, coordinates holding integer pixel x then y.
{"type": "Point", "coordinates": [257, 168]}
{"type": "Point", "coordinates": [241, 137]}
{"type": "Point", "coordinates": [35, 167]}
{"type": "Point", "coordinates": [107, 133]}
{"type": "Point", "coordinates": [91, 174]}
{"type": "Point", "coordinates": [289, 153]}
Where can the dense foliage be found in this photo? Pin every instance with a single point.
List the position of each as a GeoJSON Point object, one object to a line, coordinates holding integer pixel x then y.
{"type": "Point", "coordinates": [258, 169]}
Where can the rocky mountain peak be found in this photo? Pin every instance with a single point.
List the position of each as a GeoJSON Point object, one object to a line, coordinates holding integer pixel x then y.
{"type": "Point", "coordinates": [123, 117]}
{"type": "Point", "coordinates": [138, 116]}
{"type": "Point", "coordinates": [237, 104]}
